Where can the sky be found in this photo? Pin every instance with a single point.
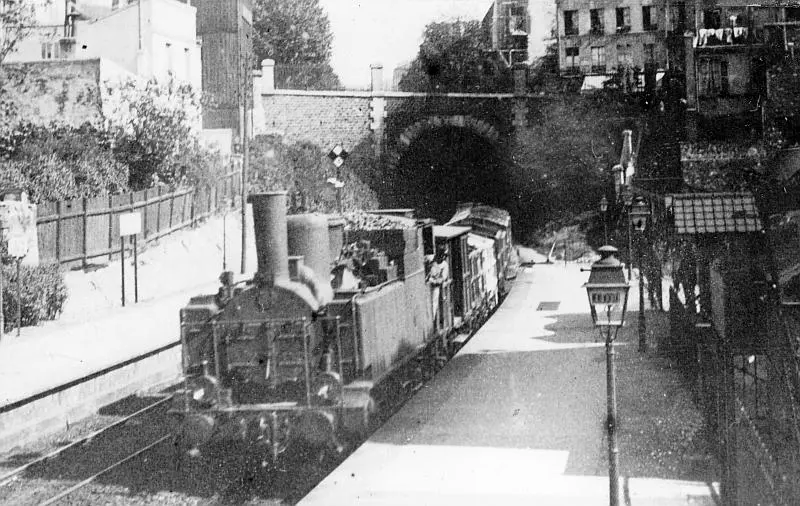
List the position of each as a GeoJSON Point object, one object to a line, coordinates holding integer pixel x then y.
{"type": "Point", "coordinates": [390, 31]}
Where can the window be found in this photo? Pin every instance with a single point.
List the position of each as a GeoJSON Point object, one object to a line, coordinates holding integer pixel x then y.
{"type": "Point", "coordinates": [516, 20]}
{"type": "Point", "coordinates": [712, 19]}
{"type": "Point", "coordinates": [712, 77]}
{"type": "Point", "coordinates": [623, 19]}
{"type": "Point", "coordinates": [572, 61]}
{"type": "Point", "coordinates": [677, 16]}
{"type": "Point", "coordinates": [624, 57]}
{"type": "Point", "coordinates": [649, 53]}
{"type": "Point", "coordinates": [598, 26]}
{"type": "Point", "coordinates": [51, 51]}
{"type": "Point", "coordinates": [170, 67]}
{"type": "Point", "coordinates": [599, 59]}
{"type": "Point", "coordinates": [570, 22]}
{"type": "Point", "coordinates": [187, 59]}
{"type": "Point", "coordinates": [649, 22]}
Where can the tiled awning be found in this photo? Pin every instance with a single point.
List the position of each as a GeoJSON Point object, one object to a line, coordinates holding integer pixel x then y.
{"type": "Point", "coordinates": [714, 213]}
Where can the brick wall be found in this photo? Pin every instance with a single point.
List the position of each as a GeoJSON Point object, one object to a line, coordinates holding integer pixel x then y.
{"type": "Point", "coordinates": [42, 92]}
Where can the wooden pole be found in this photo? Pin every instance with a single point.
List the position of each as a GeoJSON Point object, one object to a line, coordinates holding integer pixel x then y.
{"type": "Point", "coordinates": [19, 295]}
{"type": "Point", "coordinates": [122, 263]}
{"type": "Point", "coordinates": [135, 268]}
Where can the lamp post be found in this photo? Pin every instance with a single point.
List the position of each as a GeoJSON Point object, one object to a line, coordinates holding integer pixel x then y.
{"type": "Point", "coordinates": [639, 212]}
{"type": "Point", "coordinates": [603, 210]}
{"type": "Point", "coordinates": [608, 298]}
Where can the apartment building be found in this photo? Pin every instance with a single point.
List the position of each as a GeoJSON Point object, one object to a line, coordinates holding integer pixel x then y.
{"type": "Point", "coordinates": [729, 50]}
{"type": "Point", "coordinates": [148, 38]}
{"type": "Point", "coordinates": [598, 38]}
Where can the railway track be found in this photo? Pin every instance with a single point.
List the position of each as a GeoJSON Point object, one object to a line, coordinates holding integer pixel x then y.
{"type": "Point", "coordinates": [49, 478]}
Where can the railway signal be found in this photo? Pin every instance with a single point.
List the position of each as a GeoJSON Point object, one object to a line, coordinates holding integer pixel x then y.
{"type": "Point", "coordinates": [338, 155]}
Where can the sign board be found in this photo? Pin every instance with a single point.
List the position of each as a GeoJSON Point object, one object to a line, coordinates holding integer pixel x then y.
{"type": "Point", "coordinates": [17, 246]}
{"type": "Point", "coordinates": [130, 224]}
{"type": "Point", "coordinates": [605, 297]}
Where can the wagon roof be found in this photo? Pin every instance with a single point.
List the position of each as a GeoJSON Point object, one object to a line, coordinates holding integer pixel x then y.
{"type": "Point", "coordinates": [481, 212]}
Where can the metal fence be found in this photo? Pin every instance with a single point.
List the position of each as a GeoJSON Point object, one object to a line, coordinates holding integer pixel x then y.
{"type": "Point", "coordinates": [750, 402]}
{"type": "Point", "coordinates": [79, 232]}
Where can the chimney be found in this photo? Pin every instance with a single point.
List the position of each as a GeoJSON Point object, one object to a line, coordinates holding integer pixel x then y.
{"type": "Point", "coordinates": [269, 222]}
{"type": "Point", "coordinates": [376, 77]}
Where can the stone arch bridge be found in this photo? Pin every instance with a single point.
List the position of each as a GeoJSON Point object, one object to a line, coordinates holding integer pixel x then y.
{"type": "Point", "coordinates": [385, 123]}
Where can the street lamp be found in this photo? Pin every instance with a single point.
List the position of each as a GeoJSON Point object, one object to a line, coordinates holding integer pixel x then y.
{"type": "Point", "coordinates": [603, 210]}
{"type": "Point", "coordinates": [608, 297]}
{"type": "Point", "coordinates": [638, 214]}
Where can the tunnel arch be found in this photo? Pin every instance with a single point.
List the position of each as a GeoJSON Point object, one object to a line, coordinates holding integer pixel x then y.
{"type": "Point", "coordinates": [414, 131]}
{"type": "Point", "coordinates": [441, 161]}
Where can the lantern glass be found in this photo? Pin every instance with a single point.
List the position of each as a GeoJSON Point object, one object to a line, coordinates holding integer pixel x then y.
{"type": "Point", "coordinates": [608, 304]}
{"type": "Point", "coordinates": [603, 205]}
{"type": "Point", "coordinates": [639, 213]}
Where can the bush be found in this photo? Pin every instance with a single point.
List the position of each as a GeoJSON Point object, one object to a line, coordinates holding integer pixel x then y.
{"type": "Point", "coordinates": [58, 161]}
{"type": "Point", "coordinates": [43, 293]}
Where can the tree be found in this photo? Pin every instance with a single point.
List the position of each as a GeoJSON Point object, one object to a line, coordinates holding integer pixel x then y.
{"type": "Point", "coordinates": [152, 125]}
{"type": "Point", "coordinates": [17, 20]}
{"type": "Point", "coordinates": [297, 35]}
{"type": "Point", "coordinates": [455, 57]}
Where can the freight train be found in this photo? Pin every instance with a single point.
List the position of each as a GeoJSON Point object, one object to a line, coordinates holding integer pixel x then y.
{"type": "Point", "coordinates": [337, 324]}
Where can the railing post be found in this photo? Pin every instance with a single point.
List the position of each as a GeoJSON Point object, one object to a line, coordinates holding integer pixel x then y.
{"type": "Point", "coordinates": [110, 228]}
{"type": "Point", "coordinates": [144, 217]}
{"type": "Point", "coordinates": [84, 241]}
{"type": "Point", "coordinates": [58, 232]}
{"type": "Point", "coordinates": [171, 207]}
{"type": "Point", "coordinates": [158, 212]}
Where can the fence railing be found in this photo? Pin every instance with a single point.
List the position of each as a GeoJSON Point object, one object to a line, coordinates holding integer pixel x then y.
{"type": "Point", "coordinates": [749, 411]}
{"type": "Point", "coordinates": [79, 232]}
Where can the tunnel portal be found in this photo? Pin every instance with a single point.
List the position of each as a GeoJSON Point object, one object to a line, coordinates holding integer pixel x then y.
{"type": "Point", "coordinates": [446, 165]}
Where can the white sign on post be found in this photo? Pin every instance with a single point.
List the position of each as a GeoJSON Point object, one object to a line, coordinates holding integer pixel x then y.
{"type": "Point", "coordinates": [17, 246]}
{"type": "Point", "coordinates": [130, 224]}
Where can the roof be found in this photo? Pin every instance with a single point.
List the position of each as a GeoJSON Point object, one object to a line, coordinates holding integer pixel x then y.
{"type": "Point", "coordinates": [470, 212]}
{"type": "Point", "coordinates": [449, 231]}
{"type": "Point", "coordinates": [715, 213]}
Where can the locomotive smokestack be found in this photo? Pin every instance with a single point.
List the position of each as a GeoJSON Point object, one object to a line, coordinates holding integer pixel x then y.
{"type": "Point", "coordinates": [269, 222]}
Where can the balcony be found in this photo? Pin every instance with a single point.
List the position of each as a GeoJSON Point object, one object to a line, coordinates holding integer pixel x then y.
{"type": "Point", "coordinates": [734, 36]}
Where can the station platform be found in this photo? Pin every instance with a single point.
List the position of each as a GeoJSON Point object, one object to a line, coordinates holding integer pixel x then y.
{"type": "Point", "coordinates": [518, 417]}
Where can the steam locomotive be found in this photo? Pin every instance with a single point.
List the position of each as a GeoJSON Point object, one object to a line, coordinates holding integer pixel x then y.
{"type": "Point", "coordinates": [311, 349]}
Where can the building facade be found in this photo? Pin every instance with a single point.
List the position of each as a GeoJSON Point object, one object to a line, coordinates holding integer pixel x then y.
{"type": "Point", "coordinates": [507, 25]}
{"type": "Point", "coordinates": [600, 38]}
{"type": "Point", "coordinates": [226, 30]}
{"type": "Point", "coordinates": [148, 38]}
{"type": "Point", "coordinates": [729, 51]}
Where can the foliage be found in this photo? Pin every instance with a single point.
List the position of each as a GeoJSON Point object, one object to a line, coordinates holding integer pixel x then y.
{"type": "Point", "coordinates": [58, 161]}
{"type": "Point", "coordinates": [303, 170]}
{"type": "Point", "coordinates": [562, 164]}
{"type": "Point", "coordinates": [150, 124]}
{"type": "Point", "coordinates": [454, 57]}
{"type": "Point", "coordinates": [43, 294]}
{"type": "Point", "coordinates": [17, 20]}
{"type": "Point", "coordinates": [297, 35]}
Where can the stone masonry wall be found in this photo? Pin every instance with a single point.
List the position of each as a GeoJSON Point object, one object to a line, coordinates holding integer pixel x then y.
{"type": "Point", "coordinates": [322, 120]}
{"type": "Point", "coordinates": [66, 91]}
